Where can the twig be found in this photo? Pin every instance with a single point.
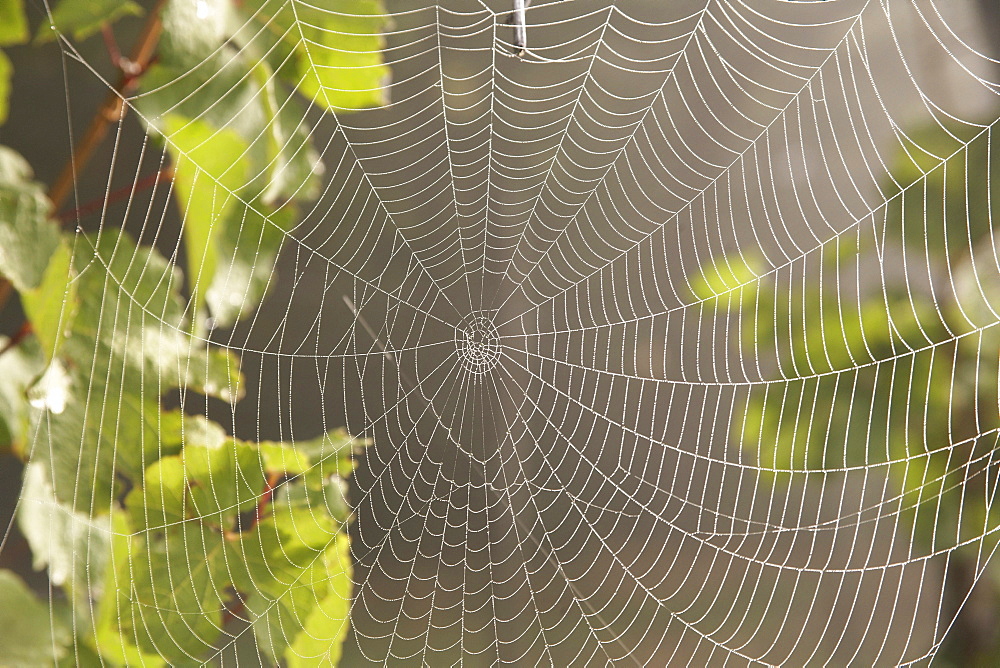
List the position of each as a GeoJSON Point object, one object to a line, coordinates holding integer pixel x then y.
{"type": "Point", "coordinates": [369, 330]}
{"type": "Point", "coordinates": [5, 289]}
{"type": "Point", "coordinates": [111, 44]}
{"type": "Point", "coordinates": [113, 108]}
{"type": "Point", "coordinates": [149, 181]}
{"type": "Point", "coordinates": [520, 29]}
{"type": "Point", "coordinates": [518, 19]}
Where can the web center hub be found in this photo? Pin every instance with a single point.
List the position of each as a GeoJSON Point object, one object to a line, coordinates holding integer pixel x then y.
{"type": "Point", "coordinates": [478, 344]}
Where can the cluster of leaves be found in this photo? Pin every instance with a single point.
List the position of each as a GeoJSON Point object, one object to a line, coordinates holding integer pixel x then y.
{"type": "Point", "coordinates": [905, 374]}
{"type": "Point", "coordinates": [166, 539]}
{"type": "Point", "coordinates": [225, 94]}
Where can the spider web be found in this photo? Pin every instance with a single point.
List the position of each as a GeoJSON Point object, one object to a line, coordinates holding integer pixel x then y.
{"type": "Point", "coordinates": [503, 285]}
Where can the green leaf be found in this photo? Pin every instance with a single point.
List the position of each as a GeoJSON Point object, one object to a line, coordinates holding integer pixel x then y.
{"type": "Point", "coordinates": [83, 18]}
{"type": "Point", "coordinates": [13, 22]}
{"type": "Point", "coordinates": [335, 497]}
{"type": "Point", "coordinates": [99, 410]}
{"type": "Point", "coordinates": [240, 95]}
{"type": "Point", "coordinates": [291, 162]}
{"type": "Point", "coordinates": [336, 54]}
{"type": "Point", "coordinates": [289, 560]}
{"type": "Point", "coordinates": [944, 172]}
{"type": "Point", "coordinates": [98, 398]}
{"type": "Point", "coordinates": [114, 646]}
{"type": "Point", "coordinates": [276, 164]}
{"type": "Point", "coordinates": [27, 236]}
{"type": "Point", "coordinates": [318, 489]}
{"type": "Point", "coordinates": [161, 500]}
{"type": "Point", "coordinates": [210, 166]}
{"type": "Point", "coordinates": [215, 372]}
{"type": "Point", "coordinates": [6, 74]}
{"type": "Point", "coordinates": [72, 546]}
{"type": "Point", "coordinates": [221, 97]}
{"type": "Point", "coordinates": [331, 453]}
{"type": "Point", "coordinates": [92, 424]}
{"type": "Point", "coordinates": [19, 367]}
{"type": "Point", "coordinates": [223, 481]}
{"type": "Point", "coordinates": [315, 604]}
{"type": "Point", "coordinates": [730, 277]}
{"type": "Point", "coordinates": [176, 586]}
{"type": "Point", "coordinates": [276, 621]}
{"type": "Point", "coordinates": [178, 429]}
{"type": "Point", "coordinates": [250, 242]}
{"type": "Point", "coordinates": [236, 93]}
{"type": "Point", "coordinates": [193, 30]}
{"type": "Point", "coordinates": [322, 636]}
{"type": "Point", "coordinates": [274, 555]}
{"type": "Point", "coordinates": [336, 443]}
{"type": "Point", "coordinates": [207, 484]}
{"type": "Point", "coordinates": [283, 458]}
{"type": "Point", "coordinates": [341, 55]}
{"type": "Point", "coordinates": [29, 638]}
{"type": "Point", "coordinates": [52, 305]}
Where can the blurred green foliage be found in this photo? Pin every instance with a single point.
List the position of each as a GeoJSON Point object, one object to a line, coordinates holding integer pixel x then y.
{"type": "Point", "coordinates": [879, 350]}
{"type": "Point", "coordinates": [164, 538]}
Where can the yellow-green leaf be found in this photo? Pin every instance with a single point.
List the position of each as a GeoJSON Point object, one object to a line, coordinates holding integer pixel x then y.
{"type": "Point", "coordinates": [29, 637]}
{"type": "Point", "coordinates": [340, 58]}
{"type": "Point", "coordinates": [19, 367]}
{"type": "Point", "coordinates": [6, 74]}
{"type": "Point", "coordinates": [51, 306]}
{"type": "Point", "coordinates": [27, 236]}
{"type": "Point", "coordinates": [13, 22]}
{"type": "Point", "coordinates": [322, 637]}
{"type": "Point", "coordinates": [83, 18]}
{"type": "Point", "coordinates": [210, 167]}
{"type": "Point", "coordinates": [729, 275]}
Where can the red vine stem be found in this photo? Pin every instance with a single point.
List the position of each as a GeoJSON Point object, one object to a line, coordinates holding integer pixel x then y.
{"type": "Point", "coordinates": [265, 498]}
{"type": "Point", "coordinates": [113, 108]}
{"type": "Point", "coordinates": [92, 206]}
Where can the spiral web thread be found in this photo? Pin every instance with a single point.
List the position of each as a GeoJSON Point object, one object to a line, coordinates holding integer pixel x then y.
{"type": "Point", "coordinates": [499, 286]}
